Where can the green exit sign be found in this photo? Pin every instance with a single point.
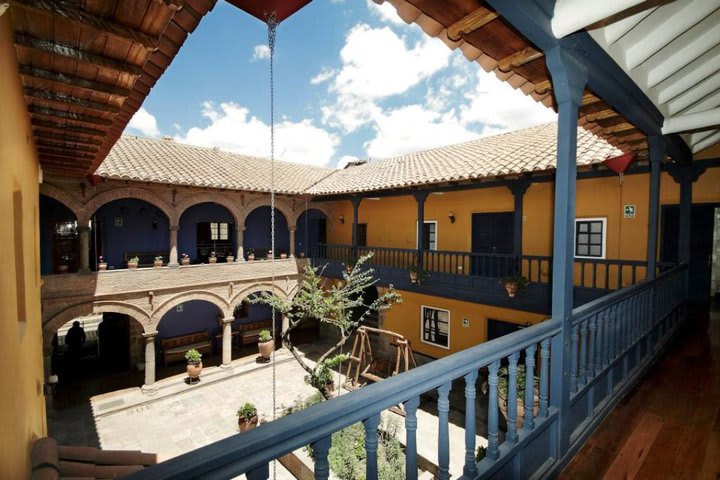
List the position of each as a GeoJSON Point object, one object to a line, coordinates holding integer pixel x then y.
{"type": "Point", "coordinates": [629, 211]}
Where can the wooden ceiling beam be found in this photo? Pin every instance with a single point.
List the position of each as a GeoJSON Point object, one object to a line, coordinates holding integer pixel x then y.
{"type": "Point", "coordinates": [602, 115]}
{"type": "Point", "coordinates": [65, 138]}
{"type": "Point", "coordinates": [632, 137]}
{"type": "Point", "coordinates": [620, 127]}
{"type": "Point", "coordinates": [75, 53]}
{"type": "Point", "coordinates": [65, 127]}
{"type": "Point", "coordinates": [173, 5]}
{"type": "Point", "coordinates": [518, 59]}
{"type": "Point", "coordinates": [477, 19]}
{"type": "Point", "coordinates": [65, 153]}
{"type": "Point", "coordinates": [543, 87]}
{"type": "Point", "coordinates": [74, 81]}
{"type": "Point", "coordinates": [50, 162]}
{"type": "Point", "coordinates": [57, 97]}
{"type": "Point", "coordinates": [589, 99]}
{"type": "Point", "coordinates": [64, 146]}
{"type": "Point", "coordinates": [77, 117]}
{"type": "Point", "coordinates": [73, 12]}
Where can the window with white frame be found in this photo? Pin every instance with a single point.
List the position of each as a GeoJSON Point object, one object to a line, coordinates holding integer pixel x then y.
{"type": "Point", "coordinates": [218, 231]}
{"type": "Point", "coordinates": [429, 235]}
{"type": "Point", "coordinates": [435, 326]}
{"type": "Point", "coordinates": [590, 236]}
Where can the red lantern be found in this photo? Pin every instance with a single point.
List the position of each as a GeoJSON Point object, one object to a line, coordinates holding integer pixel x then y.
{"type": "Point", "coordinates": [620, 164]}
{"type": "Point", "coordinates": [261, 9]}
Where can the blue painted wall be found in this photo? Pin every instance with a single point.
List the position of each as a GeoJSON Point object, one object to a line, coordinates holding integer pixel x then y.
{"type": "Point", "coordinates": [144, 229]}
{"type": "Point", "coordinates": [307, 234]}
{"type": "Point", "coordinates": [204, 212]}
{"type": "Point", "coordinates": [257, 231]}
{"type": "Point", "coordinates": [51, 211]}
{"type": "Point", "coordinates": [257, 312]}
{"type": "Point", "coordinates": [197, 315]}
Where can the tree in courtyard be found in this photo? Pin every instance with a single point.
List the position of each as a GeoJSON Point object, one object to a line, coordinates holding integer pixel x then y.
{"type": "Point", "coordinates": [339, 304]}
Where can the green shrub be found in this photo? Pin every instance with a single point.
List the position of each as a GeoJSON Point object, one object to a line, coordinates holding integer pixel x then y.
{"type": "Point", "coordinates": [193, 356]}
{"type": "Point", "coordinates": [248, 411]}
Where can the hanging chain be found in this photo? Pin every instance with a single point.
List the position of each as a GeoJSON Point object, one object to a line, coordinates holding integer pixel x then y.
{"type": "Point", "coordinates": [272, 26]}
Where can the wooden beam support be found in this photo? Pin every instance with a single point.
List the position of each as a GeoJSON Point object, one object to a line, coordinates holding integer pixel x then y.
{"type": "Point", "coordinates": [173, 5]}
{"type": "Point", "coordinates": [620, 127]}
{"type": "Point", "coordinates": [65, 146]}
{"type": "Point", "coordinates": [602, 115]}
{"type": "Point", "coordinates": [73, 81]}
{"type": "Point", "coordinates": [57, 97]}
{"type": "Point", "coordinates": [65, 153]}
{"type": "Point", "coordinates": [65, 138]}
{"type": "Point", "coordinates": [517, 59]}
{"type": "Point", "coordinates": [77, 117]}
{"type": "Point", "coordinates": [631, 137]}
{"type": "Point", "coordinates": [71, 11]}
{"type": "Point", "coordinates": [69, 51]}
{"type": "Point", "coordinates": [543, 87]}
{"type": "Point", "coordinates": [477, 19]}
{"type": "Point", "coordinates": [64, 127]}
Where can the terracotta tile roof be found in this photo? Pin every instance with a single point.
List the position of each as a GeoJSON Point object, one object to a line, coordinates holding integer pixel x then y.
{"type": "Point", "coordinates": [528, 150]}
{"type": "Point", "coordinates": [169, 162]}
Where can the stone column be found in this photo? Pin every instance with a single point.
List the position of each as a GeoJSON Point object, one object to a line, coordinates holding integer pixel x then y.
{"type": "Point", "coordinates": [149, 385]}
{"type": "Point", "coordinates": [518, 189]}
{"type": "Point", "coordinates": [84, 232]}
{"type": "Point", "coordinates": [239, 234]}
{"type": "Point", "coordinates": [292, 240]}
{"type": "Point", "coordinates": [173, 262]}
{"type": "Point", "coordinates": [227, 342]}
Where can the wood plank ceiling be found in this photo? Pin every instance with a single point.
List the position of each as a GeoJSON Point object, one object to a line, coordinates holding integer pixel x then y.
{"type": "Point", "coordinates": [485, 37]}
{"type": "Point", "coordinates": [87, 66]}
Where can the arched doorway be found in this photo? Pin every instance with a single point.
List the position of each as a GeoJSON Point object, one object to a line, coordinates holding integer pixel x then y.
{"type": "Point", "coordinates": [129, 227]}
{"type": "Point", "coordinates": [204, 228]}
{"type": "Point", "coordinates": [59, 240]}
{"type": "Point", "coordinates": [257, 232]}
{"type": "Point", "coordinates": [311, 230]}
{"type": "Point", "coordinates": [251, 317]}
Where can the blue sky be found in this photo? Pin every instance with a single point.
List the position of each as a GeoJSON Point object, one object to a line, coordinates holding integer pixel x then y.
{"type": "Point", "coordinates": [352, 80]}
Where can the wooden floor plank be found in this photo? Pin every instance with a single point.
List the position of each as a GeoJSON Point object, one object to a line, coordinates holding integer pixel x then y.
{"type": "Point", "coordinates": [633, 453]}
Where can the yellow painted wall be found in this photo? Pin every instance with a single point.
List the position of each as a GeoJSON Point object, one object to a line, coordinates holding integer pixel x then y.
{"type": "Point", "coordinates": [22, 415]}
{"type": "Point", "coordinates": [405, 319]}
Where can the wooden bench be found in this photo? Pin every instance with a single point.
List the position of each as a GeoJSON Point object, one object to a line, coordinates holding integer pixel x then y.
{"type": "Point", "coordinates": [174, 348]}
{"type": "Point", "coordinates": [250, 332]}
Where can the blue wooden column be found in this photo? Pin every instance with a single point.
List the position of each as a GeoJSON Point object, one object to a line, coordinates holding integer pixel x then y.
{"type": "Point", "coordinates": [356, 205]}
{"type": "Point", "coordinates": [569, 79]}
{"type": "Point", "coordinates": [420, 198]}
{"type": "Point", "coordinates": [657, 151]}
{"type": "Point", "coordinates": [685, 175]}
{"type": "Point", "coordinates": [518, 189]}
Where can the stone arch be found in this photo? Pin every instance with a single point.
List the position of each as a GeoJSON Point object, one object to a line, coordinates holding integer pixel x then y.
{"type": "Point", "coordinates": [67, 199]}
{"type": "Point", "coordinates": [210, 197]}
{"type": "Point", "coordinates": [257, 287]}
{"type": "Point", "coordinates": [206, 296]}
{"type": "Point", "coordinates": [129, 192]}
{"type": "Point", "coordinates": [320, 207]}
{"type": "Point", "coordinates": [280, 205]}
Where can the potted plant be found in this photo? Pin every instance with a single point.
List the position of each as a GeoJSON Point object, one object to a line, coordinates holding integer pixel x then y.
{"type": "Point", "coordinates": [102, 264]}
{"type": "Point", "coordinates": [194, 364]}
{"type": "Point", "coordinates": [414, 271]}
{"type": "Point", "coordinates": [269, 255]}
{"type": "Point", "coordinates": [302, 254]}
{"type": "Point", "coordinates": [325, 372]}
{"type": "Point", "coordinates": [283, 255]}
{"type": "Point", "coordinates": [514, 284]}
{"type": "Point", "coordinates": [349, 265]}
{"type": "Point", "coordinates": [133, 262]}
{"type": "Point", "coordinates": [265, 344]}
{"type": "Point", "coordinates": [64, 264]}
{"type": "Point", "coordinates": [503, 380]}
{"type": "Point", "coordinates": [212, 258]}
{"type": "Point", "coordinates": [185, 259]}
{"type": "Point", "coordinates": [158, 262]}
{"type": "Point", "coordinates": [247, 417]}
{"type": "Point", "coordinates": [251, 254]}
{"type": "Point", "coordinates": [230, 258]}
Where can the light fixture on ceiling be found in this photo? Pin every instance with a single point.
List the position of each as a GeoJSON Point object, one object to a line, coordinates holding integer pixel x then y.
{"type": "Point", "coordinates": [451, 216]}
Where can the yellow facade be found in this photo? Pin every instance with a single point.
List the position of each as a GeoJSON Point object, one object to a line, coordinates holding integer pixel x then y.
{"type": "Point", "coordinates": [405, 319]}
{"type": "Point", "coordinates": [23, 413]}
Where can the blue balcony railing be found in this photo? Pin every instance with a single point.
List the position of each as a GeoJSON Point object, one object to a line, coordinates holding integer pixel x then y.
{"type": "Point", "coordinates": [613, 341]}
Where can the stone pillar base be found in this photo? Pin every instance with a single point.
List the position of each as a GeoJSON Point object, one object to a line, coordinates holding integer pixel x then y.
{"type": "Point", "coordinates": [149, 389]}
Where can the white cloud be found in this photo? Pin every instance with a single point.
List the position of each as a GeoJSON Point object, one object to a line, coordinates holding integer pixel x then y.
{"type": "Point", "coordinates": [497, 105]}
{"type": "Point", "coordinates": [144, 123]}
{"type": "Point", "coordinates": [324, 75]}
{"type": "Point", "coordinates": [413, 128]}
{"type": "Point", "coordinates": [233, 129]}
{"type": "Point", "coordinates": [177, 126]}
{"type": "Point", "coordinates": [261, 52]}
{"type": "Point", "coordinates": [385, 12]}
{"type": "Point", "coordinates": [345, 159]}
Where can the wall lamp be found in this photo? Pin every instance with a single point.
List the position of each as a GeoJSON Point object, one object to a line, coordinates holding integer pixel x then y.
{"type": "Point", "coordinates": [342, 220]}
{"type": "Point", "coordinates": [451, 216]}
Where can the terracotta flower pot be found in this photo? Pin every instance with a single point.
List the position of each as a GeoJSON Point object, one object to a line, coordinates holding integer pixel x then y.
{"type": "Point", "coordinates": [251, 257]}
{"type": "Point", "coordinates": [102, 266]}
{"type": "Point", "coordinates": [212, 260]}
{"type": "Point", "coordinates": [193, 371]}
{"type": "Point", "coordinates": [63, 268]}
{"type": "Point", "coordinates": [185, 261]}
{"type": "Point", "coordinates": [413, 277]}
{"type": "Point", "coordinates": [245, 424]}
{"type": "Point", "coordinates": [283, 256]}
{"type": "Point", "coordinates": [503, 404]}
{"type": "Point", "coordinates": [157, 263]}
{"type": "Point", "coordinates": [230, 259]}
{"type": "Point", "coordinates": [132, 265]}
{"type": "Point", "coordinates": [511, 289]}
{"type": "Point", "coordinates": [266, 348]}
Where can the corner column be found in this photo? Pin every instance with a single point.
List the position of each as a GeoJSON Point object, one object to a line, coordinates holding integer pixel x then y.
{"type": "Point", "coordinates": [569, 79]}
{"type": "Point", "coordinates": [518, 189]}
{"type": "Point", "coordinates": [149, 385]}
{"type": "Point", "coordinates": [173, 261]}
{"type": "Point", "coordinates": [292, 229]}
{"type": "Point", "coordinates": [420, 198]}
{"type": "Point", "coordinates": [227, 342]}
{"type": "Point", "coordinates": [685, 175]}
{"type": "Point", "coordinates": [356, 206]}
{"type": "Point", "coordinates": [84, 233]}
{"type": "Point", "coordinates": [240, 235]}
{"type": "Point", "coordinates": [657, 151]}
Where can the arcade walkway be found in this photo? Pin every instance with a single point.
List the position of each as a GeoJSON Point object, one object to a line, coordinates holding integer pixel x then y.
{"type": "Point", "coordinates": [669, 426]}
